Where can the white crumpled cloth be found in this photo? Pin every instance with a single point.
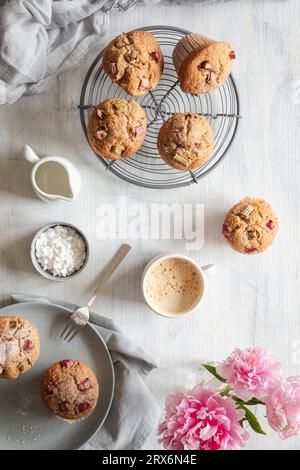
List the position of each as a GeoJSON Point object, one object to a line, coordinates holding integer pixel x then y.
{"type": "Point", "coordinates": [41, 38]}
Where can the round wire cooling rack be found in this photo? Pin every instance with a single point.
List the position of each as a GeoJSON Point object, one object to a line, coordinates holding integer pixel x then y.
{"type": "Point", "coordinates": [146, 168]}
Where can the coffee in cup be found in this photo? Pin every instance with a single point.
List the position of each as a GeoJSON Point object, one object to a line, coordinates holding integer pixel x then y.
{"type": "Point", "coordinates": [173, 285]}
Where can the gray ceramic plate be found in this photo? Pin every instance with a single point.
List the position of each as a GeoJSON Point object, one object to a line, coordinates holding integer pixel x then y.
{"type": "Point", "coordinates": [25, 423]}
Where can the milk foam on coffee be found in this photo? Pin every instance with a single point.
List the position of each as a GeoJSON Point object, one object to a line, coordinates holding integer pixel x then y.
{"type": "Point", "coordinates": [173, 286]}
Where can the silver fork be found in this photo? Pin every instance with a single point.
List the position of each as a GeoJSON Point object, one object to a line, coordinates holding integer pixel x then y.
{"type": "Point", "coordinates": [80, 316]}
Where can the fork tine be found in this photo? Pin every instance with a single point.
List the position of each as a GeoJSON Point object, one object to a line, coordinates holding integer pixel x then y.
{"type": "Point", "coordinates": [69, 332]}
{"type": "Point", "coordinates": [65, 328]}
{"type": "Point", "coordinates": [73, 335]}
{"type": "Point", "coordinates": [72, 329]}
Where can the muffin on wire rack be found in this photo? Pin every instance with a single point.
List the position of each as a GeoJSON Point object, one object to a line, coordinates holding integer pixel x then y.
{"type": "Point", "coordinates": [143, 172]}
{"type": "Point", "coordinates": [185, 141]}
{"type": "Point", "coordinates": [134, 61]}
{"type": "Point", "coordinates": [117, 128]}
{"type": "Point", "coordinates": [202, 64]}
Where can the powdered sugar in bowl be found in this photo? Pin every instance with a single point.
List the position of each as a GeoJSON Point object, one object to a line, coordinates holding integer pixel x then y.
{"type": "Point", "coordinates": [59, 251]}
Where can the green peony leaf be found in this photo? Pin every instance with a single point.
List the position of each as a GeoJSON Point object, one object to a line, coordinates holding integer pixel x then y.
{"type": "Point", "coordinates": [213, 371]}
{"type": "Point", "coordinates": [252, 420]}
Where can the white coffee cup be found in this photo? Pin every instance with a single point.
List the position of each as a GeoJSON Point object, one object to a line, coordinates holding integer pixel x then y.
{"type": "Point", "coordinates": [202, 272]}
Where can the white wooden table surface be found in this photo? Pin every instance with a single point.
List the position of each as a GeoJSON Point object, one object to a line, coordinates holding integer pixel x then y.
{"type": "Point", "coordinates": [252, 300]}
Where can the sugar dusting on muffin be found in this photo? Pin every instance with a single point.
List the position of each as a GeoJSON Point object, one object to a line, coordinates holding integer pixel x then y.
{"type": "Point", "coordinates": [19, 346]}
{"type": "Point", "coordinates": [70, 390]}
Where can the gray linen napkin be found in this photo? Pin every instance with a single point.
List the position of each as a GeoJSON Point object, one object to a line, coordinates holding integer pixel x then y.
{"type": "Point", "coordinates": [134, 413]}
{"type": "Point", "coordinates": [40, 39]}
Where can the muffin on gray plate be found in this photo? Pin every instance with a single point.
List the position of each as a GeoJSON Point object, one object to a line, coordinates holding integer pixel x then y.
{"type": "Point", "coordinates": [19, 346]}
{"type": "Point", "coordinates": [70, 390]}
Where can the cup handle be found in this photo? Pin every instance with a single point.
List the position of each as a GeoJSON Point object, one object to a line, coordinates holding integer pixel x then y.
{"type": "Point", "coordinates": [30, 154]}
{"type": "Point", "coordinates": [209, 269]}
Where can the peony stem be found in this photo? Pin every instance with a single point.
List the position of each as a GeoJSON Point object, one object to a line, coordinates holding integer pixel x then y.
{"type": "Point", "coordinates": [252, 402]}
{"type": "Point", "coordinates": [226, 391]}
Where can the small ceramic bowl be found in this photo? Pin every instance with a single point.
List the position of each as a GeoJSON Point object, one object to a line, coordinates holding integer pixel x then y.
{"type": "Point", "coordinates": [47, 274]}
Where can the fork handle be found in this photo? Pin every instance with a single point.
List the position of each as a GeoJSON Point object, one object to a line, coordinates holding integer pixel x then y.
{"type": "Point", "coordinates": [110, 269]}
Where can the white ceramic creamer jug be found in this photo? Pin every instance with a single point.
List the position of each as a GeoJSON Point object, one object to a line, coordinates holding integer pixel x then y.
{"type": "Point", "coordinates": [53, 178]}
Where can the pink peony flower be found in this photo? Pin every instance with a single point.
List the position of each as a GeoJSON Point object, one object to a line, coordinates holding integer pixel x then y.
{"type": "Point", "coordinates": [201, 419]}
{"type": "Point", "coordinates": [283, 407]}
{"type": "Point", "coordinates": [250, 372]}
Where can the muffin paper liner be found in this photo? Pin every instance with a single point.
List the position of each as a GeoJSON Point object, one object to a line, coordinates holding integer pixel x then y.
{"type": "Point", "coordinates": [187, 45]}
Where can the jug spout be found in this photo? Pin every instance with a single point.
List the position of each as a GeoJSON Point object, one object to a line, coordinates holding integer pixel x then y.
{"type": "Point", "coordinates": [30, 154]}
{"type": "Point", "coordinates": [68, 195]}
{"type": "Point", "coordinates": [64, 198]}
{"type": "Point", "coordinates": [74, 182]}
{"type": "Point", "coordinates": [63, 188]}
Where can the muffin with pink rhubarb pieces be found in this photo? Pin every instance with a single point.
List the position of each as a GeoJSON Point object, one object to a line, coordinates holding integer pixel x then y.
{"type": "Point", "coordinates": [250, 226]}
{"type": "Point", "coordinates": [134, 61]}
{"type": "Point", "coordinates": [70, 390]}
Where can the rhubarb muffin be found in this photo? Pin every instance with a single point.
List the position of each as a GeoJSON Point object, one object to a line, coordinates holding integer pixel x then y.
{"type": "Point", "coordinates": [202, 64]}
{"type": "Point", "coordinates": [117, 128]}
{"type": "Point", "coordinates": [70, 390]}
{"type": "Point", "coordinates": [19, 346]}
{"type": "Point", "coordinates": [250, 226]}
{"type": "Point", "coordinates": [185, 141]}
{"type": "Point", "coordinates": [134, 61]}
